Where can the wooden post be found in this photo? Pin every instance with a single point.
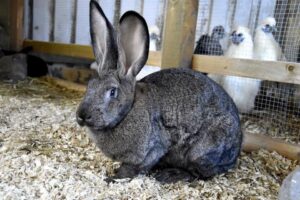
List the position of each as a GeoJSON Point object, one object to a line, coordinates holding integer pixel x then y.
{"type": "Point", "coordinates": [179, 33]}
{"type": "Point", "coordinates": [16, 24]}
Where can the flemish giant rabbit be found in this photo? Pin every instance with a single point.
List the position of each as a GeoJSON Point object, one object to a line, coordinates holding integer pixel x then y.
{"type": "Point", "coordinates": [176, 120]}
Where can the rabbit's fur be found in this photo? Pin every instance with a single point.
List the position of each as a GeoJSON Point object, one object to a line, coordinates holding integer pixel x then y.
{"type": "Point", "coordinates": [13, 67]}
{"type": "Point", "coordinates": [177, 119]}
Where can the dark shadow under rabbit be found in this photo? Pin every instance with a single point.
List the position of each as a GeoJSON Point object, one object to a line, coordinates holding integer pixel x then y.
{"type": "Point", "coordinates": [176, 120]}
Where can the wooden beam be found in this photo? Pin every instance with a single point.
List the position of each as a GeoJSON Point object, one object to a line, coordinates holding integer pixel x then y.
{"type": "Point", "coordinates": [254, 142]}
{"type": "Point", "coordinates": [16, 24]}
{"type": "Point", "coordinates": [72, 50]}
{"type": "Point", "coordinates": [80, 51]}
{"type": "Point", "coordinates": [179, 33]}
{"type": "Point", "coordinates": [286, 72]}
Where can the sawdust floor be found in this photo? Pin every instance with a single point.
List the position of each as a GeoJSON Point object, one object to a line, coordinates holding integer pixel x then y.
{"type": "Point", "coordinates": [44, 154]}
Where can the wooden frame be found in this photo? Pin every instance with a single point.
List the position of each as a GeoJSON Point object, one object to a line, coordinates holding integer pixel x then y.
{"type": "Point", "coordinates": [80, 51]}
{"type": "Point", "coordinates": [266, 70]}
{"type": "Point", "coordinates": [179, 33]}
{"type": "Point", "coordinates": [286, 72]}
{"type": "Point", "coordinates": [16, 24]}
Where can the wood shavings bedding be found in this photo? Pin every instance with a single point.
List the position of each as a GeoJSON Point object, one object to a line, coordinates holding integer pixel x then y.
{"type": "Point", "coordinates": [44, 154]}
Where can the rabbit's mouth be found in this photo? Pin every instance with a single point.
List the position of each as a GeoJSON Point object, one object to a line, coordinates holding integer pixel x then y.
{"type": "Point", "coordinates": [95, 128]}
{"type": "Point", "coordinates": [102, 127]}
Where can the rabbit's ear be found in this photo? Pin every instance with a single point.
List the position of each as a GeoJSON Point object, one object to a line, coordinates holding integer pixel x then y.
{"type": "Point", "coordinates": [103, 39]}
{"type": "Point", "coordinates": [134, 39]}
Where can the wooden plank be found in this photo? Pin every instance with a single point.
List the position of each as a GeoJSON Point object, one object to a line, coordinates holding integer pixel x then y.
{"type": "Point", "coordinates": [80, 51]}
{"type": "Point", "coordinates": [16, 24]}
{"type": "Point", "coordinates": [4, 25]}
{"type": "Point", "coordinates": [254, 142]}
{"type": "Point", "coordinates": [42, 14]}
{"type": "Point", "coordinates": [63, 20]}
{"type": "Point", "coordinates": [179, 33]}
{"type": "Point", "coordinates": [72, 50]}
{"type": "Point", "coordinates": [286, 72]}
{"type": "Point", "coordinates": [154, 58]}
{"type": "Point", "coordinates": [51, 58]}
{"type": "Point", "coordinates": [266, 70]}
{"type": "Point", "coordinates": [82, 36]}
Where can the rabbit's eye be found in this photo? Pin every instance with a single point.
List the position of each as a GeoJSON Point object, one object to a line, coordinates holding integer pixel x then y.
{"type": "Point", "coordinates": [113, 92]}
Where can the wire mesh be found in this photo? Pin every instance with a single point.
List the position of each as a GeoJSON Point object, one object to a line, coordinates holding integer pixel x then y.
{"type": "Point", "coordinates": [262, 30]}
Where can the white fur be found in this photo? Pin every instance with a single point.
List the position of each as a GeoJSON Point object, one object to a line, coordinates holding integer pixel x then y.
{"type": "Point", "coordinates": [265, 46]}
{"type": "Point", "coordinates": [242, 90]}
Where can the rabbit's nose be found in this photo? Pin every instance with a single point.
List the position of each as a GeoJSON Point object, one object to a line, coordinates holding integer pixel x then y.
{"type": "Point", "coordinates": [80, 121]}
{"type": "Point", "coordinates": [83, 119]}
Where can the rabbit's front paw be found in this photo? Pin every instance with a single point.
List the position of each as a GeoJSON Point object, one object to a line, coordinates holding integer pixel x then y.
{"type": "Point", "coordinates": [126, 171]}
{"type": "Point", "coordinates": [172, 175]}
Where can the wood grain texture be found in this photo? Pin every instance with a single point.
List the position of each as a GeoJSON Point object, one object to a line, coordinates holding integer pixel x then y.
{"type": "Point", "coordinates": [72, 50]}
{"type": "Point", "coordinates": [254, 142]}
{"type": "Point", "coordinates": [179, 33]}
{"type": "Point", "coordinates": [80, 51]}
{"type": "Point", "coordinates": [286, 72]}
{"type": "Point", "coordinates": [16, 24]}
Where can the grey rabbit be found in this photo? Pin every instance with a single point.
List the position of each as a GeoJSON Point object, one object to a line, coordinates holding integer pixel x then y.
{"type": "Point", "coordinates": [176, 123]}
{"type": "Point", "coordinates": [13, 67]}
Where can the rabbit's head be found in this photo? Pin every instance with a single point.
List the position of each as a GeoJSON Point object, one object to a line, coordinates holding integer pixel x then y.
{"type": "Point", "coordinates": [120, 55]}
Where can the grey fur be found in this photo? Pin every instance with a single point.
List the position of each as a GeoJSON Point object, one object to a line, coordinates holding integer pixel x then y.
{"type": "Point", "coordinates": [177, 120]}
{"type": "Point", "coordinates": [13, 67]}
